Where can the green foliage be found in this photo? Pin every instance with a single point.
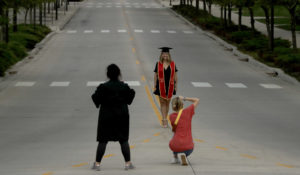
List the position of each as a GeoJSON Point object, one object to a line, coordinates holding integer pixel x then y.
{"type": "Point", "coordinates": [21, 41]}
{"type": "Point", "coordinates": [254, 44]}
{"type": "Point", "coordinates": [278, 42]}
{"type": "Point", "coordinates": [239, 36]}
{"type": "Point", "coordinates": [290, 62]}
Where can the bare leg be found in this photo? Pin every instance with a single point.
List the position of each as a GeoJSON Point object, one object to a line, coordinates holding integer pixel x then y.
{"type": "Point", "coordinates": [163, 108]}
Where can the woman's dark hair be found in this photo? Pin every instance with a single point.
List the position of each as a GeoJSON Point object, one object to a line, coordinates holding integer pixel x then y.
{"type": "Point", "coordinates": [113, 72]}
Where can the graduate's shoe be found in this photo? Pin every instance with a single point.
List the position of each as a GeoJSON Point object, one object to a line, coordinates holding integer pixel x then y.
{"type": "Point", "coordinates": [175, 161]}
{"type": "Point", "coordinates": [129, 166]}
{"type": "Point", "coordinates": [164, 123]}
{"type": "Point", "coordinates": [183, 159]}
{"type": "Point", "coordinates": [96, 167]}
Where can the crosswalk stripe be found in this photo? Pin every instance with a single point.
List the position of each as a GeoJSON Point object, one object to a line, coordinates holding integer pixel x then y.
{"type": "Point", "coordinates": [271, 86]}
{"type": "Point", "coordinates": [24, 84]}
{"type": "Point", "coordinates": [105, 31]}
{"type": "Point", "coordinates": [188, 32]}
{"type": "Point", "coordinates": [71, 31]}
{"type": "Point", "coordinates": [94, 83]}
{"type": "Point", "coordinates": [60, 83]}
{"type": "Point", "coordinates": [88, 31]}
{"type": "Point", "coordinates": [201, 84]}
{"type": "Point", "coordinates": [171, 31]}
{"type": "Point", "coordinates": [138, 31]}
{"type": "Point", "coordinates": [133, 83]}
{"type": "Point", "coordinates": [236, 85]}
{"type": "Point", "coordinates": [122, 31]}
{"type": "Point", "coordinates": [155, 31]}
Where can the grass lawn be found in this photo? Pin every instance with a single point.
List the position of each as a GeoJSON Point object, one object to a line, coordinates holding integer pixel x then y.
{"type": "Point", "coordinates": [283, 23]}
{"type": "Point", "coordinates": [279, 11]}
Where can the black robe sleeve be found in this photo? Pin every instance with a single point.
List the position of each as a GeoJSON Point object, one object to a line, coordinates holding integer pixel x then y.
{"type": "Point", "coordinates": [97, 97]}
{"type": "Point", "coordinates": [130, 94]}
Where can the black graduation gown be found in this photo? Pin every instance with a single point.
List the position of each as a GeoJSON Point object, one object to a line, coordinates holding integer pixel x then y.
{"type": "Point", "coordinates": [113, 97]}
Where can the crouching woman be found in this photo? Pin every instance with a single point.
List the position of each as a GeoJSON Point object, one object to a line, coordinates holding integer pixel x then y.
{"type": "Point", "coordinates": [182, 143]}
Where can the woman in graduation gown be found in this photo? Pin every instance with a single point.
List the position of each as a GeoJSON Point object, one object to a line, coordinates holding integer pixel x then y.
{"type": "Point", "coordinates": [165, 82]}
{"type": "Point", "coordinates": [113, 98]}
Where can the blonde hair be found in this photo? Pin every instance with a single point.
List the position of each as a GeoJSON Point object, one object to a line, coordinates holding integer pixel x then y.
{"type": "Point", "coordinates": [177, 104]}
{"type": "Point", "coordinates": [161, 59]}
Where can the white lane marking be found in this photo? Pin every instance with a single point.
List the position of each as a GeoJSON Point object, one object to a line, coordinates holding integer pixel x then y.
{"type": "Point", "coordinates": [100, 3]}
{"type": "Point", "coordinates": [71, 31]}
{"type": "Point", "coordinates": [138, 31]}
{"type": "Point", "coordinates": [118, 3]}
{"type": "Point", "coordinates": [99, 6]}
{"type": "Point", "coordinates": [90, 3]}
{"type": "Point", "coordinates": [127, 3]}
{"type": "Point", "coordinates": [201, 84]}
{"type": "Point", "coordinates": [88, 31]}
{"type": "Point", "coordinates": [155, 31]}
{"type": "Point", "coordinates": [137, 6]}
{"type": "Point", "coordinates": [105, 31]}
{"type": "Point", "coordinates": [128, 6]}
{"type": "Point", "coordinates": [188, 32]}
{"type": "Point", "coordinates": [271, 86]}
{"type": "Point", "coordinates": [236, 85]}
{"type": "Point", "coordinates": [24, 84]}
{"type": "Point", "coordinates": [109, 3]}
{"type": "Point", "coordinates": [136, 3]}
{"type": "Point", "coordinates": [94, 83]}
{"type": "Point", "coordinates": [171, 31]}
{"type": "Point", "coordinates": [60, 83]}
{"type": "Point", "coordinates": [122, 31]}
{"type": "Point", "coordinates": [118, 6]}
{"type": "Point", "coordinates": [108, 6]}
{"type": "Point", "coordinates": [89, 6]}
{"type": "Point", "coordinates": [133, 83]}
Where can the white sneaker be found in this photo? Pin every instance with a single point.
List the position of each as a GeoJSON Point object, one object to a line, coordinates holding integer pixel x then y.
{"type": "Point", "coordinates": [175, 161]}
{"type": "Point", "coordinates": [183, 159]}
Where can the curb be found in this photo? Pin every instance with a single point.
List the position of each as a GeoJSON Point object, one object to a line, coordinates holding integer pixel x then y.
{"type": "Point", "coordinates": [275, 72]}
{"type": "Point", "coordinates": [39, 46]}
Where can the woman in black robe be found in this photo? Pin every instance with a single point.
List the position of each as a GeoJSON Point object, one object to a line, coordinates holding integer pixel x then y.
{"type": "Point", "coordinates": [113, 98]}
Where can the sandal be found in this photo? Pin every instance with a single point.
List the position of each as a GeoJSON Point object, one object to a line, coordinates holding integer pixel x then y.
{"type": "Point", "coordinates": [164, 123]}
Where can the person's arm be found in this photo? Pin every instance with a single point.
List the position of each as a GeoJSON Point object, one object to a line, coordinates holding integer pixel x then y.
{"type": "Point", "coordinates": [195, 101]}
{"type": "Point", "coordinates": [176, 80]}
{"type": "Point", "coordinates": [155, 80]}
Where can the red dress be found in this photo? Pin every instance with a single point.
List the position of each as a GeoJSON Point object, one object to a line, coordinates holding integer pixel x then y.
{"type": "Point", "coordinates": [182, 139]}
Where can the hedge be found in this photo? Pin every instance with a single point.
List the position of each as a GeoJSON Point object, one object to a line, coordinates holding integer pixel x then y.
{"type": "Point", "coordinates": [247, 40]}
{"type": "Point", "coordinates": [20, 43]}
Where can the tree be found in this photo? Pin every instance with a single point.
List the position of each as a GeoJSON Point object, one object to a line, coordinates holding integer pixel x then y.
{"type": "Point", "coordinates": [250, 4]}
{"type": "Point", "coordinates": [291, 6]}
{"type": "Point", "coordinates": [240, 4]}
{"type": "Point", "coordinates": [268, 8]}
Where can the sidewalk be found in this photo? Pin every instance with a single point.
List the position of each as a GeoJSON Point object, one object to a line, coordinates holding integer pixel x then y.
{"type": "Point", "coordinates": [279, 33]}
{"type": "Point", "coordinates": [55, 25]}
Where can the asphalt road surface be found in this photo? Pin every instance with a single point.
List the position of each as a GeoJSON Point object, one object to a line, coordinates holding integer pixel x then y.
{"type": "Point", "coordinates": [246, 123]}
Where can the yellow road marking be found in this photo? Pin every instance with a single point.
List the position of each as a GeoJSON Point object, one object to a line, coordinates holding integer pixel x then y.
{"type": "Point", "coordinates": [137, 62]}
{"type": "Point", "coordinates": [143, 78]}
{"type": "Point", "coordinates": [222, 148]}
{"type": "Point", "coordinates": [133, 50]}
{"type": "Point", "coordinates": [131, 38]}
{"type": "Point", "coordinates": [146, 141]}
{"type": "Point", "coordinates": [198, 140]}
{"type": "Point", "coordinates": [108, 155]}
{"type": "Point", "coordinates": [157, 134]}
{"type": "Point", "coordinates": [79, 165]}
{"type": "Point", "coordinates": [157, 99]}
{"type": "Point", "coordinates": [248, 156]}
{"type": "Point", "coordinates": [153, 104]}
{"type": "Point", "coordinates": [49, 173]}
{"type": "Point", "coordinates": [285, 165]}
{"type": "Point", "coordinates": [132, 146]}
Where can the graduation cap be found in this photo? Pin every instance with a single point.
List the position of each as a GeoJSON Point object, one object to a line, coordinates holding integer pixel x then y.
{"type": "Point", "coordinates": [165, 49]}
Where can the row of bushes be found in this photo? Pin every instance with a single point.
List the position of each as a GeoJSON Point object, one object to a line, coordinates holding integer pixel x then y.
{"type": "Point", "coordinates": [20, 43]}
{"type": "Point", "coordinates": [247, 40]}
